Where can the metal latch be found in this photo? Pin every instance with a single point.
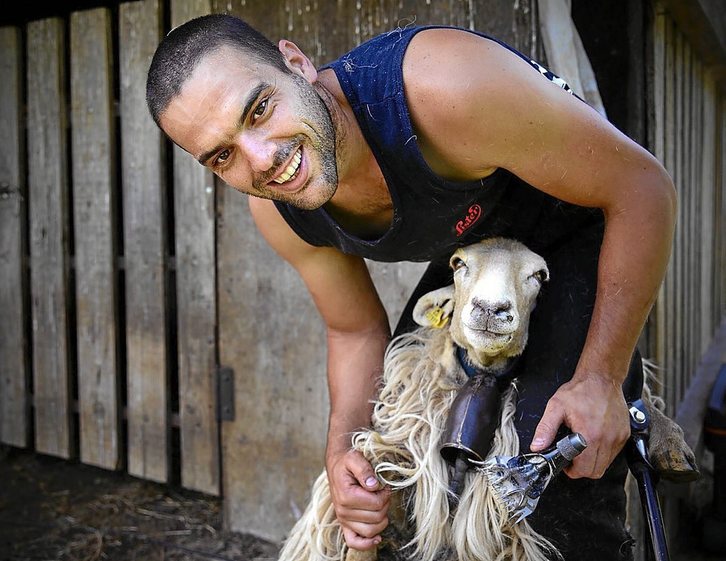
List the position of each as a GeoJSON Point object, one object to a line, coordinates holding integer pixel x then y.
{"type": "Point", "coordinates": [225, 393]}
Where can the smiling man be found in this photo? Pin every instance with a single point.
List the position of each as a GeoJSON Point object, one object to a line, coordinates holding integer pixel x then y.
{"type": "Point", "coordinates": [415, 143]}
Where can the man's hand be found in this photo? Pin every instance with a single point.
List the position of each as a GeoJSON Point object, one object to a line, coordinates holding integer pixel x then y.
{"type": "Point", "coordinates": [361, 503]}
{"type": "Point", "coordinates": [595, 407]}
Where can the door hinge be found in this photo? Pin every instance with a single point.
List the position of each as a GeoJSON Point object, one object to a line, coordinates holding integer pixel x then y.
{"type": "Point", "coordinates": [225, 393]}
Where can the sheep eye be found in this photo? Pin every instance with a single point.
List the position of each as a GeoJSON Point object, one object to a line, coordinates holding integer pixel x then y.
{"type": "Point", "coordinates": [457, 263]}
{"type": "Point", "coordinates": [541, 276]}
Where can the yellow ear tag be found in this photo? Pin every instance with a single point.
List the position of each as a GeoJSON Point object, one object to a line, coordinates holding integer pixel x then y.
{"type": "Point", "coordinates": [436, 318]}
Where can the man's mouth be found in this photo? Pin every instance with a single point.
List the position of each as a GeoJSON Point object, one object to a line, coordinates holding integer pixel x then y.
{"type": "Point", "coordinates": [290, 172]}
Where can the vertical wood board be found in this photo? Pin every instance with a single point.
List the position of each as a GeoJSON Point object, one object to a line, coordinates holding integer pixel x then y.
{"type": "Point", "coordinates": [326, 30]}
{"type": "Point", "coordinates": [688, 246]}
{"type": "Point", "coordinates": [92, 127]}
{"type": "Point", "coordinates": [281, 400]}
{"type": "Point", "coordinates": [48, 200]}
{"type": "Point", "coordinates": [143, 188]}
{"type": "Point", "coordinates": [14, 419]}
{"type": "Point", "coordinates": [679, 180]}
{"type": "Point", "coordinates": [657, 135]}
{"type": "Point", "coordinates": [194, 213]}
{"type": "Point", "coordinates": [670, 164]}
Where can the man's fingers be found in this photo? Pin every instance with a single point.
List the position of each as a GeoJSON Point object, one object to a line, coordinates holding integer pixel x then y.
{"type": "Point", "coordinates": [548, 426]}
{"type": "Point", "coordinates": [362, 471]}
{"type": "Point", "coordinates": [363, 505]}
{"type": "Point", "coordinates": [368, 531]}
{"type": "Point", "coordinates": [586, 465]}
{"type": "Point", "coordinates": [358, 542]}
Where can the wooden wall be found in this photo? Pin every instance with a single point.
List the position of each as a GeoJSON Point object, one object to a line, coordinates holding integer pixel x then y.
{"type": "Point", "coordinates": [129, 275]}
{"type": "Point", "coordinates": [686, 133]}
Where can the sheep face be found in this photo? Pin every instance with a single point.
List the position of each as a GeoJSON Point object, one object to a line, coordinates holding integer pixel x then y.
{"type": "Point", "coordinates": [496, 283]}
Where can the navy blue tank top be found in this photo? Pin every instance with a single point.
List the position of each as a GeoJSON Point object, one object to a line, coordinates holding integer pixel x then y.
{"type": "Point", "coordinates": [431, 215]}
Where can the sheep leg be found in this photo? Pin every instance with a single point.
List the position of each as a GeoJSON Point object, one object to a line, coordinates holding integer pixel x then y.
{"type": "Point", "coordinates": [357, 555]}
{"type": "Point", "coordinates": [669, 453]}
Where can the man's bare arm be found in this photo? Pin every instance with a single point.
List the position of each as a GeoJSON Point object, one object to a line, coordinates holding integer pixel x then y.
{"type": "Point", "coordinates": [477, 107]}
{"type": "Point", "coordinates": [357, 334]}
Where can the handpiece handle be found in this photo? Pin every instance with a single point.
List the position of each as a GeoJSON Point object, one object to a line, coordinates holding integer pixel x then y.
{"type": "Point", "coordinates": [566, 450]}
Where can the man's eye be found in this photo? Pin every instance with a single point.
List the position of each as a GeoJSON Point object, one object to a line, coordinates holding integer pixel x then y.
{"type": "Point", "coordinates": [222, 157]}
{"type": "Point", "coordinates": [259, 110]}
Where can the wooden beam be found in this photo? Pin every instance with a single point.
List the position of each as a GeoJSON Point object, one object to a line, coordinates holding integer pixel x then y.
{"type": "Point", "coordinates": [94, 191]}
{"type": "Point", "coordinates": [704, 23]}
{"type": "Point", "coordinates": [48, 199]}
{"type": "Point", "coordinates": [194, 212]}
{"type": "Point", "coordinates": [144, 213]}
{"type": "Point", "coordinates": [14, 418]}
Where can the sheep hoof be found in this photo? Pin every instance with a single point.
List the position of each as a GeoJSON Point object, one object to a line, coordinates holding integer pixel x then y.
{"type": "Point", "coordinates": [675, 464]}
{"type": "Point", "coordinates": [669, 454]}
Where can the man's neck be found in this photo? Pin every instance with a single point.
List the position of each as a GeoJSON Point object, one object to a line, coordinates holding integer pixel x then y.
{"type": "Point", "coordinates": [362, 203]}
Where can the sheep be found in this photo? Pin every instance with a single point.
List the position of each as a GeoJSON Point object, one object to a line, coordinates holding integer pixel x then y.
{"type": "Point", "coordinates": [486, 312]}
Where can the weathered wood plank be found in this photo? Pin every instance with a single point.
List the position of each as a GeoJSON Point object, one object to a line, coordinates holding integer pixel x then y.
{"type": "Point", "coordinates": [686, 307]}
{"type": "Point", "coordinates": [696, 247]}
{"type": "Point", "coordinates": [48, 199]}
{"type": "Point", "coordinates": [14, 390]}
{"type": "Point", "coordinates": [657, 132]}
{"type": "Point", "coordinates": [697, 155]}
{"type": "Point", "coordinates": [194, 212]}
{"type": "Point", "coordinates": [143, 187]}
{"type": "Point", "coordinates": [281, 400]}
{"type": "Point", "coordinates": [670, 164]}
{"type": "Point", "coordinates": [697, 243]}
{"type": "Point", "coordinates": [92, 127]}
{"type": "Point", "coordinates": [709, 208]}
{"type": "Point", "coordinates": [678, 246]}
{"type": "Point", "coordinates": [702, 245]}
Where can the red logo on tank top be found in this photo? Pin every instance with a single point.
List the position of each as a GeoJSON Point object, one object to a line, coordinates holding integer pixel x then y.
{"type": "Point", "coordinates": [468, 222]}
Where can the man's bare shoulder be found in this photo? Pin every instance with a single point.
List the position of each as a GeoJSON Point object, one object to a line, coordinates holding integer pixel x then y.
{"type": "Point", "coordinates": [456, 85]}
{"type": "Point", "coordinates": [446, 61]}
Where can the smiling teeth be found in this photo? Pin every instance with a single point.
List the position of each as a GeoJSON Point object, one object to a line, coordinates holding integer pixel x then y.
{"type": "Point", "coordinates": [290, 170]}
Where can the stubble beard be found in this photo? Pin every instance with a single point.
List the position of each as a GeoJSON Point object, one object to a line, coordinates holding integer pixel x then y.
{"type": "Point", "coordinates": [321, 142]}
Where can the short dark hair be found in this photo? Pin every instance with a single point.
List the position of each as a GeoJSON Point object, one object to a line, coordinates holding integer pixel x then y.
{"type": "Point", "coordinates": [177, 55]}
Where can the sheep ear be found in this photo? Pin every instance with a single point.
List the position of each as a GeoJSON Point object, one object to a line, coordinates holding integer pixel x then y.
{"type": "Point", "coordinates": [435, 308]}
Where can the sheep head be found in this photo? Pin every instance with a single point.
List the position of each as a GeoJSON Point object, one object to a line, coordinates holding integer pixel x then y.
{"type": "Point", "coordinates": [496, 283]}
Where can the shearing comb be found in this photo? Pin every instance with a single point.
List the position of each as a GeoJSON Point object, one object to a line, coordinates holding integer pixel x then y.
{"type": "Point", "coordinates": [519, 481]}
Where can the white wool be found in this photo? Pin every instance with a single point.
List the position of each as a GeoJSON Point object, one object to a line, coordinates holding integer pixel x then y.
{"type": "Point", "coordinates": [420, 381]}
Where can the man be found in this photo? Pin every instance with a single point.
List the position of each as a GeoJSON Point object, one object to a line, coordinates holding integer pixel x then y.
{"type": "Point", "coordinates": [419, 141]}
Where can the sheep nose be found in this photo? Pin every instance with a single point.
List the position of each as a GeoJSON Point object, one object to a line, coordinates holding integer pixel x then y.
{"type": "Point", "coordinates": [500, 310]}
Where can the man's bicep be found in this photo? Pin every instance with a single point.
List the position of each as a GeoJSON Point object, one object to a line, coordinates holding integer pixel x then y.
{"type": "Point", "coordinates": [565, 148]}
{"type": "Point", "coordinates": [477, 106]}
{"type": "Point", "coordinates": [339, 284]}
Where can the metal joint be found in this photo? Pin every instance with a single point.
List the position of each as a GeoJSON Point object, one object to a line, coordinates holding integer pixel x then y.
{"type": "Point", "coordinates": [225, 393]}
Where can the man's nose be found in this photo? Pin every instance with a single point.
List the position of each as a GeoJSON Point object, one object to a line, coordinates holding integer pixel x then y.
{"type": "Point", "coordinates": [258, 151]}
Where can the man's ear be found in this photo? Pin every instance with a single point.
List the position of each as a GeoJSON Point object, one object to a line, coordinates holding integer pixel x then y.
{"type": "Point", "coordinates": [297, 61]}
{"type": "Point", "coordinates": [435, 308]}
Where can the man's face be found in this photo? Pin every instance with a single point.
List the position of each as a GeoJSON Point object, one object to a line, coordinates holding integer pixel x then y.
{"type": "Point", "coordinates": [264, 132]}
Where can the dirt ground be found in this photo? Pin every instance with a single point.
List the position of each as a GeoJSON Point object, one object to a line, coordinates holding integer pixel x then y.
{"type": "Point", "coordinates": [55, 510]}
